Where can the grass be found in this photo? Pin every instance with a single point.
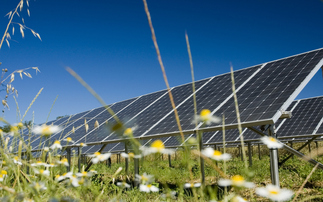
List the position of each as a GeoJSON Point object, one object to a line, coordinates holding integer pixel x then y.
{"type": "Point", "coordinates": [18, 184]}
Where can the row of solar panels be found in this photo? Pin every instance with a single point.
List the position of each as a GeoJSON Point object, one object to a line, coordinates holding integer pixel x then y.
{"type": "Point", "coordinates": [263, 92]}
{"type": "Point", "coordinates": [307, 119]}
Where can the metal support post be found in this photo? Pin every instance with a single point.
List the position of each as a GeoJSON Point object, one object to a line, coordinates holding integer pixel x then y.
{"type": "Point", "coordinates": [126, 159]}
{"type": "Point", "coordinates": [136, 167]}
{"type": "Point", "coordinates": [259, 152]}
{"type": "Point", "coordinates": [309, 149]}
{"type": "Point", "coordinates": [79, 158]}
{"type": "Point", "coordinates": [200, 135]}
{"type": "Point", "coordinates": [273, 159]}
{"type": "Point", "coordinates": [216, 148]}
{"type": "Point", "coordinates": [68, 155]}
{"type": "Point", "coordinates": [169, 160]}
{"type": "Point", "coordinates": [249, 154]}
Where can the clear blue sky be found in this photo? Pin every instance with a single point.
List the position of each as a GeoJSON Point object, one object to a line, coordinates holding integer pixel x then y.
{"type": "Point", "coordinates": [108, 43]}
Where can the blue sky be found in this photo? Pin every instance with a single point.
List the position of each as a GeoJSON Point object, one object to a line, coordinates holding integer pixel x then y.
{"type": "Point", "coordinates": [108, 43]}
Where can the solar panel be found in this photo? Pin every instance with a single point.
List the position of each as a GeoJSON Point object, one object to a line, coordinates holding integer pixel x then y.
{"type": "Point", "coordinates": [263, 92]}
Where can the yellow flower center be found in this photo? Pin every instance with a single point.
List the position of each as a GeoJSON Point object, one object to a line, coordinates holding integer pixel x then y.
{"type": "Point", "coordinates": [57, 142]}
{"type": "Point", "coordinates": [57, 176]}
{"type": "Point", "coordinates": [131, 155]}
{"type": "Point", "coordinates": [97, 153]}
{"type": "Point", "coordinates": [64, 160]}
{"type": "Point", "coordinates": [128, 132]}
{"type": "Point", "coordinates": [205, 113]}
{"type": "Point", "coordinates": [149, 185]}
{"type": "Point", "coordinates": [82, 144]}
{"type": "Point", "coordinates": [84, 173]}
{"type": "Point", "coordinates": [3, 172]}
{"type": "Point", "coordinates": [237, 180]}
{"type": "Point", "coordinates": [68, 139]}
{"type": "Point", "coordinates": [14, 129]}
{"type": "Point", "coordinates": [20, 125]}
{"type": "Point", "coordinates": [273, 192]}
{"type": "Point", "coordinates": [216, 153]}
{"type": "Point", "coordinates": [39, 162]}
{"type": "Point", "coordinates": [41, 171]}
{"type": "Point", "coordinates": [272, 139]}
{"type": "Point", "coordinates": [46, 130]}
{"type": "Point", "coordinates": [4, 162]}
{"type": "Point", "coordinates": [1, 176]}
{"type": "Point", "coordinates": [16, 158]}
{"type": "Point", "coordinates": [158, 144]}
{"type": "Point", "coordinates": [144, 178]}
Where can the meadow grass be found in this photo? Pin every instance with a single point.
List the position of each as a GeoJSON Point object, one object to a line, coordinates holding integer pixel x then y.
{"type": "Point", "coordinates": [193, 176]}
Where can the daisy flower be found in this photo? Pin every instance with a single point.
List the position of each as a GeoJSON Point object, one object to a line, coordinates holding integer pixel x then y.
{"type": "Point", "coordinates": [130, 155]}
{"type": "Point", "coordinates": [129, 131]}
{"type": "Point", "coordinates": [85, 174]}
{"type": "Point", "coordinates": [143, 179]}
{"type": "Point", "coordinates": [206, 117]}
{"type": "Point", "coordinates": [64, 161]}
{"type": "Point", "coordinates": [3, 175]}
{"type": "Point", "coordinates": [38, 163]}
{"type": "Point", "coordinates": [274, 193]}
{"type": "Point", "coordinates": [237, 181]}
{"type": "Point", "coordinates": [272, 143]}
{"type": "Point", "coordinates": [68, 139]}
{"type": "Point", "coordinates": [215, 154]}
{"type": "Point", "coordinates": [97, 156]}
{"type": "Point", "coordinates": [39, 186]}
{"type": "Point", "coordinates": [82, 144]}
{"type": "Point", "coordinates": [56, 145]}
{"type": "Point", "coordinates": [148, 188]}
{"type": "Point", "coordinates": [46, 130]}
{"type": "Point", "coordinates": [123, 184]}
{"type": "Point", "coordinates": [42, 172]}
{"type": "Point", "coordinates": [191, 185]}
{"type": "Point", "coordinates": [16, 160]}
{"type": "Point", "coordinates": [156, 147]}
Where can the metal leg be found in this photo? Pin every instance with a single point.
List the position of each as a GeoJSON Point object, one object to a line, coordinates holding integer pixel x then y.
{"type": "Point", "coordinates": [201, 159]}
{"type": "Point", "coordinates": [250, 154]}
{"type": "Point", "coordinates": [274, 160]}
{"type": "Point", "coordinates": [79, 158]}
{"type": "Point", "coordinates": [126, 159]}
{"type": "Point", "coordinates": [259, 151]}
{"type": "Point", "coordinates": [68, 152]}
{"type": "Point", "coordinates": [169, 160]}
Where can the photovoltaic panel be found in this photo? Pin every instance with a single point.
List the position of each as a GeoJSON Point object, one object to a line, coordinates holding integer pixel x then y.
{"type": "Point", "coordinates": [128, 115]}
{"type": "Point", "coordinates": [263, 92]}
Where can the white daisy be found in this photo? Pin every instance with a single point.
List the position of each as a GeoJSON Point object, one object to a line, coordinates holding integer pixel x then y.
{"type": "Point", "coordinates": [206, 117]}
{"type": "Point", "coordinates": [215, 154]}
{"type": "Point", "coordinates": [46, 130]}
{"type": "Point", "coordinates": [271, 142]}
{"type": "Point", "coordinates": [56, 145]}
{"type": "Point", "coordinates": [191, 185]}
{"type": "Point", "coordinates": [64, 161]}
{"type": "Point", "coordinates": [156, 147]}
{"type": "Point", "coordinates": [148, 188]}
{"type": "Point", "coordinates": [130, 155]}
{"type": "Point", "coordinates": [144, 178]}
{"type": "Point", "coordinates": [68, 139]}
{"type": "Point", "coordinates": [237, 181]}
{"type": "Point", "coordinates": [123, 184]}
{"type": "Point", "coordinates": [97, 156]}
{"type": "Point", "coordinates": [275, 193]}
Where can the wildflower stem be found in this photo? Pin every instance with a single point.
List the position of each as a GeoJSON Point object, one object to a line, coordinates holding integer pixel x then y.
{"type": "Point", "coordinates": [238, 119]}
{"type": "Point", "coordinates": [307, 178]}
{"type": "Point", "coordinates": [163, 71]}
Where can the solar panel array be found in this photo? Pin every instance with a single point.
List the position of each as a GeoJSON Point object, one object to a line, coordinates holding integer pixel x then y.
{"type": "Point", "coordinates": [263, 92]}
